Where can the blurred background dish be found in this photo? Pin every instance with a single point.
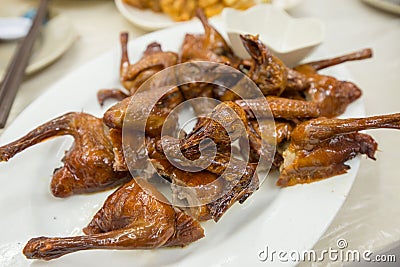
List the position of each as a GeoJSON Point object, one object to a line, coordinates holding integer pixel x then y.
{"type": "Point", "coordinates": [154, 14]}
{"type": "Point", "coordinates": [291, 39]}
{"type": "Point", "coordinates": [56, 37]}
{"type": "Point", "coordinates": [392, 6]}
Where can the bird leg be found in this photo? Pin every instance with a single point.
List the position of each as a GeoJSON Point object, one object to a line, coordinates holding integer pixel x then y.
{"type": "Point", "coordinates": [326, 63]}
{"type": "Point", "coordinates": [308, 134]}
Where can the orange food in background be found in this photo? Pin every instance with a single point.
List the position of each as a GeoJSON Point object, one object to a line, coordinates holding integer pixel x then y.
{"type": "Point", "coordinates": [181, 10]}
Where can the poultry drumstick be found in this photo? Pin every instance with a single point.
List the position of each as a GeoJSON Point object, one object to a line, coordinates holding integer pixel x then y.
{"type": "Point", "coordinates": [133, 217]}
{"type": "Point", "coordinates": [326, 63]}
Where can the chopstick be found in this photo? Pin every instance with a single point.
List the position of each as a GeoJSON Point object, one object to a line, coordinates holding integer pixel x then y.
{"type": "Point", "coordinates": [16, 68]}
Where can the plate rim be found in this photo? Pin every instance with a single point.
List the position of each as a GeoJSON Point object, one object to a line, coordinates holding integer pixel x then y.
{"type": "Point", "coordinates": [384, 5]}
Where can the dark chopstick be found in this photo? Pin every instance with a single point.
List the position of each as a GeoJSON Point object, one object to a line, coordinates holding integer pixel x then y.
{"type": "Point", "coordinates": [16, 68]}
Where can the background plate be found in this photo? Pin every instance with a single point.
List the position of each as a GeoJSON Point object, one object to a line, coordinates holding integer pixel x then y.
{"type": "Point", "coordinates": [392, 6]}
{"type": "Point", "coordinates": [150, 20]}
{"type": "Point", "coordinates": [56, 37]}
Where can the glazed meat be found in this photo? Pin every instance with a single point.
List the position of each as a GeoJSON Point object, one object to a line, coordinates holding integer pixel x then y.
{"type": "Point", "coordinates": [281, 108]}
{"type": "Point", "coordinates": [325, 160]}
{"type": "Point", "coordinates": [193, 189]}
{"type": "Point", "coordinates": [147, 111]}
{"type": "Point", "coordinates": [281, 131]}
{"type": "Point", "coordinates": [266, 70]}
{"type": "Point", "coordinates": [331, 95]}
{"type": "Point", "coordinates": [88, 165]}
{"type": "Point", "coordinates": [132, 76]}
{"type": "Point", "coordinates": [226, 123]}
{"type": "Point", "coordinates": [320, 147]}
{"type": "Point", "coordinates": [210, 46]}
{"type": "Point", "coordinates": [240, 177]}
{"type": "Point", "coordinates": [298, 81]}
{"type": "Point", "coordinates": [136, 216]}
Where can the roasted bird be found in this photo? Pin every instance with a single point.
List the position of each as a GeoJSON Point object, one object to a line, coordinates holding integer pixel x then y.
{"type": "Point", "coordinates": [274, 78]}
{"type": "Point", "coordinates": [133, 217]}
{"type": "Point", "coordinates": [88, 165]}
{"type": "Point", "coordinates": [320, 147]}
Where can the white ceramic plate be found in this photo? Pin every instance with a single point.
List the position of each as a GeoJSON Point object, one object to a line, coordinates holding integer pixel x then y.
{"type": "Point", "coordinates": [291, 219]}
{"type": "Point", "coordinates": [56, 37]}
{"type": "Point", "coordinates": [150, 20]}
{"type": "Point", "coordinates": [392, 6]}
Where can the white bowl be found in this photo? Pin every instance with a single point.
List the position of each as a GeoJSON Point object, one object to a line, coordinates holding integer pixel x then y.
{"type": "Point", "coordinates": [291, 39]}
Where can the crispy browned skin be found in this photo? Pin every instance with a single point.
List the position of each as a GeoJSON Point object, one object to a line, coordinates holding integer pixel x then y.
{"type": "Point", "coordinates": [210, 46]}
{"type": "Point", "coordinates": [226, 123]}
{"type": "Point", "coordinates": [131, 218]}
{"type": "Point", "coordinates": [115, 136]}
{"type": "Point", "coordinates": [281, 108]}
{"type": "Point", "coordinates": [324, 160]}
{"type": "Point", "coordinates": [281, 131]}
{"type": "Point", "coordinates": [320, 147]}
{"type": "Point", "coordinates": [88, 165]}
{"type": "Point", "coordinates": [309, 133]}
{"type": "Point", "coordinates": [298, 81]}
{"type": "Point", "coordinates": [203, 187]}
{"type": "Point", "coordinates": [266, 70]}
{"type": "Point", "coordinates": [132, 76]}
{"type": "Point", "coordinates": [147, 110]}
{"type": "Point", "coordinates": [331, 95]}
{"type": "Point", "coordinates": [241, 176]}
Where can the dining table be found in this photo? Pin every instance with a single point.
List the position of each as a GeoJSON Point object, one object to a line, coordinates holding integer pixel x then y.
{"type": "Point", "coordinates": [370, 216]}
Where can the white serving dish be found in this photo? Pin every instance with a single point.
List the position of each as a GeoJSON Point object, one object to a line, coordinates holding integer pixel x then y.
{"type": "Point", "coordinates": [288, 219]}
